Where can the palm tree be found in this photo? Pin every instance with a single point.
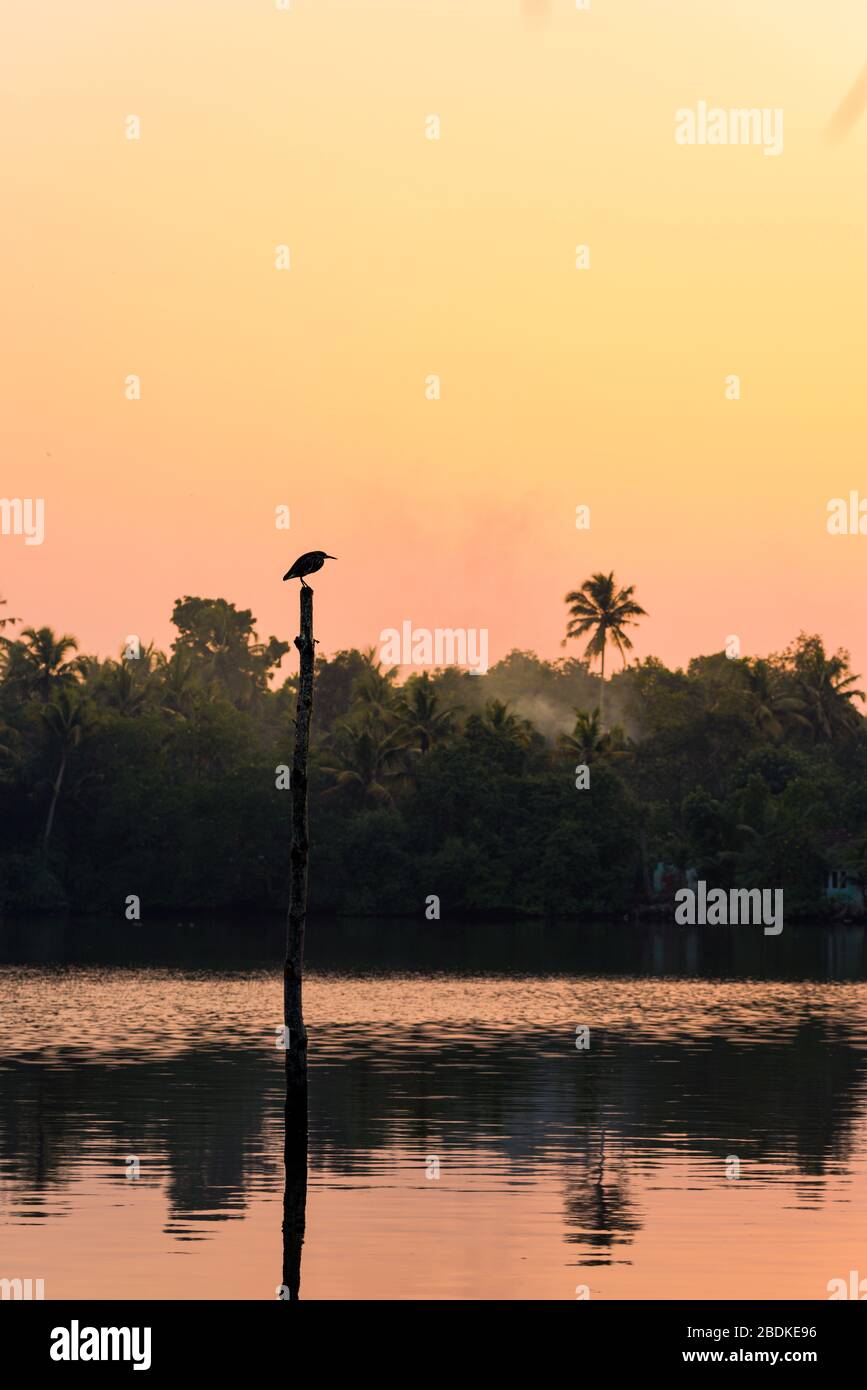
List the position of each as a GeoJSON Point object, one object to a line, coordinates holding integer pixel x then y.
{"type": "Point", "coordinates": [423, 720]}
{"type": "Point", "coordinates": [772, 709]}
{"type": "Point", "coordinates": [604, 610]}
{"type": "Point", "coordinates": [826, 688]}
{"type": "Point", "coordinates": [500, 720]}
{"type": "Point", "coordinates": [6, 622]}
{"type": "Point", "coordinates": [6, 643]}
{"type": "Point", "coordinates": [44, 665]}
{"type": "Point", "coordinates": [374, 689]}
{"type": "Point", "coordinates": [121, 688]}
{"type": "Point", "coordinates": [369, 761]}
{"type": "Point", "coordinates": [589, 741]}
{"type": "Point", "coordinates": [179, 683]}
{"type": "Point", "coordinates": [224, 654]}
{"type": "Point", "coordinates": [65, 718]}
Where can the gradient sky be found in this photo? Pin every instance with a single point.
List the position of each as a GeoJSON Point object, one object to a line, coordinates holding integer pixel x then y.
{"type": "Point", "coordinates": [410, 257]}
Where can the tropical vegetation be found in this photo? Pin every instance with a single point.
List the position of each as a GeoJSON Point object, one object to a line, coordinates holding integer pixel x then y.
{"type": "Point", "coordinates": [158, 774]}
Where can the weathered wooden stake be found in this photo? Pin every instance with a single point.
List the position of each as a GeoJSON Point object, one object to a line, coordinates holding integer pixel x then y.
{"type": "Point", "coordinates": [294, 1190]}
{"type": "Point", "coordinates": [293, 970]}
{"type": "Point", "coordinates": [295, 1144]}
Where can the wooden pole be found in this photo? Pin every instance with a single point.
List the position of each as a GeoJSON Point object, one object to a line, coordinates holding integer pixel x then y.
{"type": "Point", "coordinates": [294, 1191]}
{"type": "Point", "coordinates": [293, 970]}
{"type": "Point", "coordinates": [295, 1142]}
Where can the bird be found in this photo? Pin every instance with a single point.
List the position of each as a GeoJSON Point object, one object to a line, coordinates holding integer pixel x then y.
{"type": "Point", "coordinates": [308, 563]}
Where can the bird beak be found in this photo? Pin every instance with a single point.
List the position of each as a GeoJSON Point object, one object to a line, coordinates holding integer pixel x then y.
{"type": "Point", "coordinates": [331, 557]}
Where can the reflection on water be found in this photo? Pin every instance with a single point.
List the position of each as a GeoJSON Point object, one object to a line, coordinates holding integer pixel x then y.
{"type": "Point", "coordinates": [557, 1167]}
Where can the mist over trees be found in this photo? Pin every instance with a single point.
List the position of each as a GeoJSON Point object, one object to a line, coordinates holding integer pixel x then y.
{"type": "Point", "coordinates": [157, 776]}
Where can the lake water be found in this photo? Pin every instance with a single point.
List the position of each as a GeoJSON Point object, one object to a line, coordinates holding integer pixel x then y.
{"type": "Point", "coordinates": [436, 1048]}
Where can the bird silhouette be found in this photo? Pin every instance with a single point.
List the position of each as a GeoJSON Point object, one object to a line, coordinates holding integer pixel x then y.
{"type": "Point", "coordinates": [308, 563]}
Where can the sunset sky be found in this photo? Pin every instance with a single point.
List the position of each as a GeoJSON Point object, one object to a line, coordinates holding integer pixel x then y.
{"type": "Point", "coordinates": [411, 256]}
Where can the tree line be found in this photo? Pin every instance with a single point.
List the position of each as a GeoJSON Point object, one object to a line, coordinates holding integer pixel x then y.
{"type": "Point", "coordinates": [158, 775]}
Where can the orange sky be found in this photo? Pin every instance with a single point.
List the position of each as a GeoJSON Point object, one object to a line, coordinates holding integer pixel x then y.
{"type": "Point", "coordinates": [411, 256]}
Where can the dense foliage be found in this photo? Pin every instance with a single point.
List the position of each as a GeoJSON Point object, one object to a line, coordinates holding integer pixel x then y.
{"type": "Point", "coordinates": [157, 776]}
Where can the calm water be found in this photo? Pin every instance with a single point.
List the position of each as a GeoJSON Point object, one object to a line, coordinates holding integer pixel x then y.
{"type": "Point", "coordinates": [557, 1168]}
